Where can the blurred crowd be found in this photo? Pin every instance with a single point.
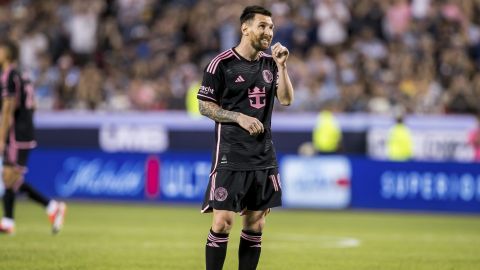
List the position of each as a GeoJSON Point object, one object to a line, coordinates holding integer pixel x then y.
{"type": "Point", "coordinates": [379, 56]}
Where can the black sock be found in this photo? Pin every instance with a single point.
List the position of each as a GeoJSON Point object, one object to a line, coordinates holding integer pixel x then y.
{"type": "Point", "coordinates": [34, 194]}
{"type": "Point", "coordinates": [8, 203]}
{"type": "Point", "coordinates": [249, 250]}
{"type": "Point", "coordinates": [216, 250]}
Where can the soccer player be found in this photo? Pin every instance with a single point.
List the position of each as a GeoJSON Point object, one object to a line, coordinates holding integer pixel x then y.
{"type": "Point", "coordinates": [17, 139]}
{"type": "Point", "coordinates": [238, 91]}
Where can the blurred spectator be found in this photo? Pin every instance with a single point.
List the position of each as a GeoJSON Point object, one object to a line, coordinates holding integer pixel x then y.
{"type": "Point", "coordinates": [47, 78]}
{"type": "Point", "coordinates": [397, 19]}
{"type": "Point", "coordinates": [319, 64]}
{"type": "Point", "coordinates": [428, 97]}
{"type": "Point", "coordinates": [327, 135]}
{"type": "Point", "coordinates": [89, 89]}
{"type": "Point", "coordinates": [420, 9]}
{"type": "Point", "coordinates": [460, 98]}
{"type": "Point", "coordinates": [191, 101]}
{"type": "Point", "coordinates": [82, 28]}
{"type": "Point", "coordinates": [333, 17]}
{"type": "Point", "coordinates": [68, 80]}
{"type": "Point", "coordinates": [228, 29]}
{"type": "Point", "coordinates": [354, 98]}
{"type": "Point", "coordinates": [379, 102]}
{"type": "Point", "coordinates": [400, 142]}
{"type": "Point", "coordinates": [370, 46]}
{"type": "Point", "coordinates": [367, 14]}
{"type": "Point", "coordinates": [33, 43]}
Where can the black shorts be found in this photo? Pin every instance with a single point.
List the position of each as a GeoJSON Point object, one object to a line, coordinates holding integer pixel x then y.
{"type": "Point", "coordinates": [16, 157]}
{"type": "Point", "coordinates": [243, 190]}
{"type": "Point", "coordinates": [16, 152]}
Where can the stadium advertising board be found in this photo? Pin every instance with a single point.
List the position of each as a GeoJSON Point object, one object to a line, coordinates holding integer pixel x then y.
{"type": "Point", "coordinates": [429, 186]}
{"type": "Point", "coordinates": [99, 175]}
{"type": "Point", "coordinates": [133, 138]}
{"type": "Point", "coordinates": [431, 145]}
{"type": "Point", "coordinates": [333, 182]}
{"type": "Point", "coordinates": [316, 182]}
{"type": "Point", "coordinates": [441, 138]}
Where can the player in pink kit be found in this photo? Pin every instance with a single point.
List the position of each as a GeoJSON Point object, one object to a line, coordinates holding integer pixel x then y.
{"type": "Point", "coordinates": [17, 138]}
{"type": "Point", "coordinates": [474, 140]}
{"type": "Point", "coordinates": [238, 91]}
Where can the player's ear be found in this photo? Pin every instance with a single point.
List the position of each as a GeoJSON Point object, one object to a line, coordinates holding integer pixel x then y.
{"type": "Point", "coordinates": [244, 29]}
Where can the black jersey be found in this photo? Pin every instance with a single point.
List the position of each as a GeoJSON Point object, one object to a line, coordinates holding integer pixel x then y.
{"type": "Point", "coordinates": [248, 87]}
{"type": "Point", "coordinates": [21, 131]}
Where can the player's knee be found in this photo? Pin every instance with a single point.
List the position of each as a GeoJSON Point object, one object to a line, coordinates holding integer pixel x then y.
{"type": "Point", "coordinates": [255, 225]}
{"type": "Point", "coordinates": [222, 224]}
{"type": "Point", "coordinates": [9, 176]}
{"type": "Point", "coordinates": [259, 225]}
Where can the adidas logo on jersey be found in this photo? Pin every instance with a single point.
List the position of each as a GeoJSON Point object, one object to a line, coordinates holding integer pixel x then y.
{"type": "Point", "coordinates": [224, 160]}
{"type": "Point", "coordinates": [239, 79]}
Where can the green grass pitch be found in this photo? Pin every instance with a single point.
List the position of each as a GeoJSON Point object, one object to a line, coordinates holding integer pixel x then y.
{"type": "Point", "coordinates": [127, 237]}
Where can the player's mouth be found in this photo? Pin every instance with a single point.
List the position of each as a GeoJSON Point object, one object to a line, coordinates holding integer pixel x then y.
{"type": "Point", "coordinates": [265, 41]}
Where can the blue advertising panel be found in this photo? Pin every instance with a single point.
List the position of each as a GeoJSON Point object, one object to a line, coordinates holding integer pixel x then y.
{"type": "Point", "coordinates": [425, 186]}
{"type": "Point", "coordinates": [92, 174]}
{"type": "Point", "coordinates": [316, 182]}
{"type": "Point", "coordinates": [307, 182]}
{"type": "Point", "coordinates": [357, 182]}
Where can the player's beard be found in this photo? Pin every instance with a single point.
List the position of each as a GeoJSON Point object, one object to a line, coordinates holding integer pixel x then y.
{"type": "Point", "coordinates": [258, 45]}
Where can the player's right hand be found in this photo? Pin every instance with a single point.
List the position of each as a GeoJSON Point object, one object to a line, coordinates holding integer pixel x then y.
{"type": "Point", "coordinates": [250, 124]}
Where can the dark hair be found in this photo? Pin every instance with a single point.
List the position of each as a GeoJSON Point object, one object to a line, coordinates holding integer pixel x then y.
{"type": "Point", "coordinates": [11, 48]}
{"type": "Point", "coordinates": [250, 11]}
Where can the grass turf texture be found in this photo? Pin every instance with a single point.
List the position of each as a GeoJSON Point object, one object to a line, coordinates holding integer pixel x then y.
{"type": "Point", "coordinates": [118, 236]}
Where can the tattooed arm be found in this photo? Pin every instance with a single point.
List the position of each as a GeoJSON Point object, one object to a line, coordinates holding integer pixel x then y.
{"type": "Point", "coordinates": [217, 114]}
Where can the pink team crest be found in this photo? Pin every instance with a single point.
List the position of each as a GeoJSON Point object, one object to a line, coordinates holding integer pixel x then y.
{"type": "Point", "coordinates": [220, 194]}
{"type": "Point", "coordinates": [267, 76]}
{"type": "Point", "coordinates": [257, 97]}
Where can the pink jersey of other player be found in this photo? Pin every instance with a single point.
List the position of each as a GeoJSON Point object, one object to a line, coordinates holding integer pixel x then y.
{"type": "Point", "coordinates": [474, 140]}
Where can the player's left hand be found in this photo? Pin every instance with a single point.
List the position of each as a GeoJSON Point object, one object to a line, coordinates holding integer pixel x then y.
{"type": "Point", "coordinates": [280, 54]}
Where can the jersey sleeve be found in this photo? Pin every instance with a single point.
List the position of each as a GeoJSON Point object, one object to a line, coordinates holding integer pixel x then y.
{"type": "Point", "coordinates": [12, 85]}
{"type": "Point", "coordinates": [212, 86]}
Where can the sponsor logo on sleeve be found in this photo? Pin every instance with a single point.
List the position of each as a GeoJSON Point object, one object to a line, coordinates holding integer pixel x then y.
{"type": "Point", "coordinates": [206, 90]}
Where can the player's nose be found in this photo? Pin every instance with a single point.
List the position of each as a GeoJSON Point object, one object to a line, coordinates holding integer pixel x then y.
{"type": "Point", "coordinates": [268, 33]}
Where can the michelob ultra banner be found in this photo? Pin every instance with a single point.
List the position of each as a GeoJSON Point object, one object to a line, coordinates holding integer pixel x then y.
{"type": "Point", "coordinates": [93, 174]}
